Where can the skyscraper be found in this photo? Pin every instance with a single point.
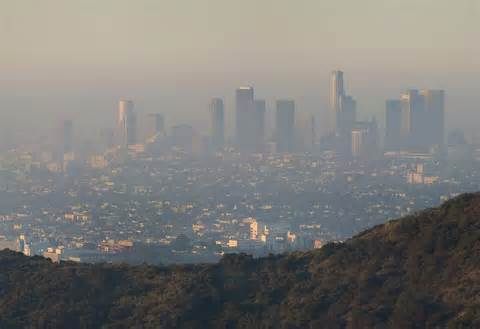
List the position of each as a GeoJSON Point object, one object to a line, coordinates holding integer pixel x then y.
{"type": "Point", "coordinates": [245, 119]}
{"type": "Point", "coordinates": [434, 101]}
{"type": "Point", "coordinates": [217, 115]}
{"type": "Point", "coordinates": [346, 115]}
{"type": "Point", "coordinates": [343, 113]}
{"type": "Point", "coordinates": [393, 125]}
{"type": "Point", "coordinates": [260, 110]}
{"type": "Point", "coordinates": [337, 91]}
{"type": "Point", "coordinates": [285, 125]}
{"type": "Point", "coordinates": [126, 123]}
{"type": "Point", "coordinates": [414, 127]}
{"type": "Point", "coordinates": [422, 120]}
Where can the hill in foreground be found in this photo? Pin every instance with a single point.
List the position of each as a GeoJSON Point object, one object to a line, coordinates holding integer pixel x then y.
{"type": "Point", "coordinates": [422, 271]}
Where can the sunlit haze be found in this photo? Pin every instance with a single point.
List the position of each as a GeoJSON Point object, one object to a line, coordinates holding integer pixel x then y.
{"type": "Point", "coordinates": [239, 164]}
{"type": "Point", "coordinates": [77, 58]}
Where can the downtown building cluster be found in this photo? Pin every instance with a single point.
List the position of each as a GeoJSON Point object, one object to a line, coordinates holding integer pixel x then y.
{"type": "Point", "coordinates": [349, 137]}
{"type": "Point", "coordinates": [416, 121]}
{"type": "Point", "coordinates": [292, 131]}
{"type": "Point", "coordinates": [413, 123]}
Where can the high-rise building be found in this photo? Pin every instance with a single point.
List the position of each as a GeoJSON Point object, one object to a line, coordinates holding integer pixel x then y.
{"type": "Point", "coordinates": [423, 118]}
{"type": "Point", "coordinates": [260, 111]}
{"type": "Point", "coordinates": [217, 115]}
{"type": "Point", "coordinates": [347, 115]}
{"type": "Point", "coordinates": [393, 125]}
{"type": "Point", "coordinates": [124, 107]}
{"type": "Point", "coordinates": [285, 125]}
{"type": "Point", "coordinates": [434, 101]}
{"type": "Point", "coordinates": [126, 123]}
{"type": "Point", "coordinates": [245, 119]}
{"type": "Point", "coordinates": [337, 91]}
{"type": "Point", "coordinates": [413, 119]}
{"type": "Point", "coordinates": [343, 110]}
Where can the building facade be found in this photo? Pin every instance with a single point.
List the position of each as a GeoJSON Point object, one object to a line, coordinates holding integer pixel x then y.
{"type": "Point", "coordinates": [245, 119]}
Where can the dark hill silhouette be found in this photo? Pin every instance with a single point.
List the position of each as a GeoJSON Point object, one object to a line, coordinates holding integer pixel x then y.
{"type": "Point", "coordinates": [421, 271]}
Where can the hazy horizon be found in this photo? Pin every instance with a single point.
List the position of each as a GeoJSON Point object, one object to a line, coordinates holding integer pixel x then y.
{"type": "Point", "coordinates": [77, 59]}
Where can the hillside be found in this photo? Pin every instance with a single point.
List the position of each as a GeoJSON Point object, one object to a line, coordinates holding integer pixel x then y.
{"type": "Point", "coordinates": [422, 271]}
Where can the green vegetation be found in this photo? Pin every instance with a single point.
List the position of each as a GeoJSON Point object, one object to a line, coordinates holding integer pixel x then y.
{"type": "Point", "coordinates": [422, 271]}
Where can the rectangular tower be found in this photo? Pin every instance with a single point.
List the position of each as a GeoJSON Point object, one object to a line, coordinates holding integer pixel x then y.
{"type": "Point", "coordinates": [245, 119]}
{"type": "Point", "coordinates": [126, 123]}
{"type": "Point", "coordinates": [346, 115]}
{"type": "Point", "coordinates": [435, 116]}
{"type": "Point", "coordinates": [337, 91]}
{"type": "Point", "coordinates": [413, 120]}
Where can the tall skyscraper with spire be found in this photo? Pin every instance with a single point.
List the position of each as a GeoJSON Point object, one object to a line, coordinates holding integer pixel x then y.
{"type": "Point", "coordinates": [343, 108]}
{"type": "Point", "coordinates": [217, 123]}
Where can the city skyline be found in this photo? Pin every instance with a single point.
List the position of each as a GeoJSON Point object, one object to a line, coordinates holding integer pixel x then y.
{"type": "Point", "coordinates": [415, 121]}
{"type": "Point", "coordinates": [155, 52]}
{"type": "Point", "coordinates": [262, 125]}
{"type": "Point", "coordinates": [240, 164]}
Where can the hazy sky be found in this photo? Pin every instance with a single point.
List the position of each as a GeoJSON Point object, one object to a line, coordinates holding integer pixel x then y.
{"type": "Point", "coordinates": [79, 56]}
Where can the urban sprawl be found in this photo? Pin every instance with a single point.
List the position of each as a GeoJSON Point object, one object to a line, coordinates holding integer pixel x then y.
{"type": "Point", "coordinates": [170, 195]}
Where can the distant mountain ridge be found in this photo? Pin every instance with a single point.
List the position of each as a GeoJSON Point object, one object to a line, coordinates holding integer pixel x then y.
{"type": "Point", "coordinates": [421, 271]}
